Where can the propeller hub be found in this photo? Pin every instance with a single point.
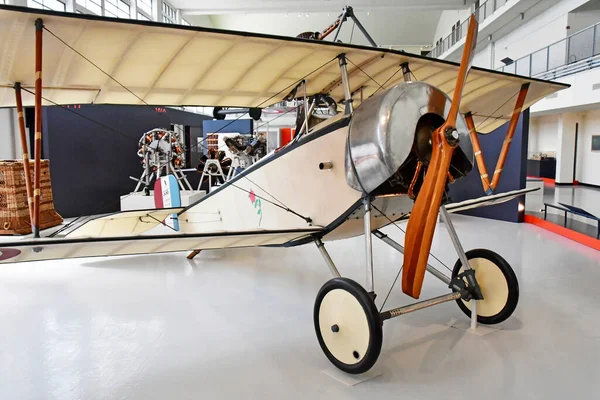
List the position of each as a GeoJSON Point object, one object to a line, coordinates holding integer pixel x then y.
{"type": "Point", "coordinates": [452, 136]}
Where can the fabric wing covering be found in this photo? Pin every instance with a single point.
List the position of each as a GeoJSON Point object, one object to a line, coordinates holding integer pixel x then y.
{"type": "Point", "coordinates": [169, 65]}
{"type": "Point", "coordinates": [128, 223]}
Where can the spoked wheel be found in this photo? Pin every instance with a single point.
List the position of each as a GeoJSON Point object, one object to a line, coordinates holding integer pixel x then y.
{"type": "Point", "coordinates": [348, 326]}
{"type": "Point", "coordinates": [498, 284]}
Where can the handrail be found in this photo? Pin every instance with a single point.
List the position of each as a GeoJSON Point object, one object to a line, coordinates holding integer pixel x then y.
{"type": "Point", "coordinates": [570, 51]}
{"type": "Point", "coordinates": [483, 12]}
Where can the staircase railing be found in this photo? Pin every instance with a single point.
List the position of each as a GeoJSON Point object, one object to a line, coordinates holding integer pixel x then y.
{"type": "Point", "coordinates": [570, 55]}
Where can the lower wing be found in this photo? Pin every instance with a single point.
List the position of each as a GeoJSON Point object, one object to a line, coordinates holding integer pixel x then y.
{"type": "Point", "coordinates": [52, 249]}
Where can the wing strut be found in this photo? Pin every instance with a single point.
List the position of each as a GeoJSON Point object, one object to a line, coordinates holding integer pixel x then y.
{"type": "Point", "coordinates": [423, 218]}
{"type": "Point", "coordinates": [26, 166]}
{"type": "Point", "coordinates": [37, 169]}
{"type": "Point", "coordinates": [488, 187]}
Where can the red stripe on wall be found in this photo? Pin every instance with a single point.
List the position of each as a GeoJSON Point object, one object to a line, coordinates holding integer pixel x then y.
{"type": "Point", "coordinates": [562, 231]}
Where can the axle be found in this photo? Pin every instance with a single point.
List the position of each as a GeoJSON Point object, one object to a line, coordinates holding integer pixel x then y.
{"type": "Point", "coordinates": [396, 312]}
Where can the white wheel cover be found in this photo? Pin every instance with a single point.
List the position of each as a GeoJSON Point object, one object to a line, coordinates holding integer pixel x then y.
{"type": "Point", "coordinates": [342, 309]}
{"type": "Point", "coordinates": [493, 287]}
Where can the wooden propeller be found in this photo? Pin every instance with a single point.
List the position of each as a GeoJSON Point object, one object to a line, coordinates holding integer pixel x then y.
{"type": "Point", "coordinates": [423, 217]}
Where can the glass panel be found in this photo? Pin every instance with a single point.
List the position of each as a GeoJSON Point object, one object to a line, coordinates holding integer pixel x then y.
{"type": "Point", "coordinates": [581, 45]}
{"type": "Point", "coordinates": [142, 17]}
{"type": "Point", "coordinates": [596, 39]}
{"type": "Point", "coordinates": [500, 3]}
{"type": "Point", "coordinates": [55, 5]}
{"type": "Point", "coordinates": [479, 14]}
{"type": "Point", "coordinates": [539, 61]}
{"type": "Point", "coordinates": [557, 54]}
{"type": "Point", "coordinates": [92, 5]}
{"type": "Point", "coordinates": [145, 6]}
{"type": "Point", "coordinates": [489, 8]}
{"type": "Point", "coordinates": [464, 28]}
{"type": "Point", "coordinates": [510, 68]}
{"type": "Point", "coordinates": [523, 66]}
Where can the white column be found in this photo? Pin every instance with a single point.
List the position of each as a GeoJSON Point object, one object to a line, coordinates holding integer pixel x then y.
{"type": "Point", "coordinates": [8, 134]}
{"type": "Point", "coordinates": [565, 147]}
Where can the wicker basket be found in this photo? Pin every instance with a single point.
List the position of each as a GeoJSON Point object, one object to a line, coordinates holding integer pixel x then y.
{"type": "Point", "coordinates": [14, 210]}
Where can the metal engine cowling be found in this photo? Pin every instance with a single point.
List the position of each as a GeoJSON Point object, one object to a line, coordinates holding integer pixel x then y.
{"type": "Point", "coordinates": [385, 137]}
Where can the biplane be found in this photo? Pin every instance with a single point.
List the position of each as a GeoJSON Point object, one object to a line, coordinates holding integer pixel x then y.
{"type": "Point", "coordinates": [407, 129]}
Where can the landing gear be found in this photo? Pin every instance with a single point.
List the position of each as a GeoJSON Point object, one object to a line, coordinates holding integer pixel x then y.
{"type": "Point", "coordinates": [347, 325]}
{"type": "Point", "coordinates": [497, 282]}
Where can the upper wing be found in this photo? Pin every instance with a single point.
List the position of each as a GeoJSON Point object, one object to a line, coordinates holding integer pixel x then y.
{"type": "Point", "coordinates": [162, 64]}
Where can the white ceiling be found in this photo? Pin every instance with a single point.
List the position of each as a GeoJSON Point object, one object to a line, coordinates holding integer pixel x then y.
{"type": "Point", "coordinates": [195, 7]}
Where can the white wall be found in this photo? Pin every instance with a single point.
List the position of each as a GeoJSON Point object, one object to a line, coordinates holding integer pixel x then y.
{"type": "Point", "coordinates": [581, 20]}
{"type": "Point", "coordinates": [581, 95]}
{"type": "Point", "coordinates": [449, 18]}
{"type": "Point", "coordinates": [588, 161]}
{"type": "Point", "coordinates": [395, 27]}
{"type": "Point", "coordinates": [483, 58]}
{"type": "Point", "coordinates": [542, 30]}
{"type": "Point", "coordinates": [557, 133]}
{"type": "Point", "coordinates": [543, 134]}
{"type": "Point", "coordinates": [204, 21]}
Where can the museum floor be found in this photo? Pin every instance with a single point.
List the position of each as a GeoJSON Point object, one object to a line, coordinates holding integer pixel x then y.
{"type": "Point", "coordinates": [237, 324]}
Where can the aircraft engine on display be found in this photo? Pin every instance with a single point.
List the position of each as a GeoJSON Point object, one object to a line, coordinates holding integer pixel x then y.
{"type": "Point", "coordinates": [233, 153]}
{"type": "Point", "coordinates": [162, 153]}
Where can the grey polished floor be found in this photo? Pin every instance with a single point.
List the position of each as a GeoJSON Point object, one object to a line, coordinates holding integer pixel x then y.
{"type": "Point", "coordinates": [237, 324]}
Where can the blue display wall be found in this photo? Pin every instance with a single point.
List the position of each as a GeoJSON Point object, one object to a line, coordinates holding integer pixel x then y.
{"type": "Point", "coordinates": [514, 174]}
{"type": "Point", "coordinates": [90, 164]}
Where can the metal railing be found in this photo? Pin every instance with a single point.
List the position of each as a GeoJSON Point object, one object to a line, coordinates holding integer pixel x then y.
{"type": "Point", "coordinates": [570, 50]}
{"type": "Point", "coordinates": [483, 12]}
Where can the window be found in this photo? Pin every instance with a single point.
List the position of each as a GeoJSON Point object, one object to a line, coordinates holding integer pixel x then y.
{"type": "Point", "coordinates": [142, 17]}
{"type": "Point", "coordinates": [116, 8]}
{"type": "Point", "coordinates": [184, 22]}
{"type": "Point", "coordinates": [169, 15]}
{"type": "Point", "coordinates": [93, 6]}
{"type": "Point", "coordinates": [145, 6]}
{"type": "Point", "coordinates": [55, 5]}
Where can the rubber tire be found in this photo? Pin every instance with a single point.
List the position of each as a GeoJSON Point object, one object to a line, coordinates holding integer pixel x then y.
{"type": "Point", "coordinates": [373, 320]}
{"type": "Point", "coordinates": [511, 280]}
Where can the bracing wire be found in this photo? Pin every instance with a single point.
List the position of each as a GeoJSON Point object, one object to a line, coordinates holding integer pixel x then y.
{"type": "Point", "coordinates": [282, 206]}
{"type": "Point", "coordinates": [496, 118]}
{"type": "Point", "coordinates": [96, 66]}
{"type": "Point", "coordinates": [399, 271]}
{"type": "Point", "coordinates": [368, 76]}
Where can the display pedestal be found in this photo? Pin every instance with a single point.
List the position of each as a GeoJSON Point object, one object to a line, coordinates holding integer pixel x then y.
{"type": "Point", "coordinates": [349, 379]}
{"type": "Point", "coordinates": [479, 330]}
{"type": "Point", "coordinates": [139, 201]}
